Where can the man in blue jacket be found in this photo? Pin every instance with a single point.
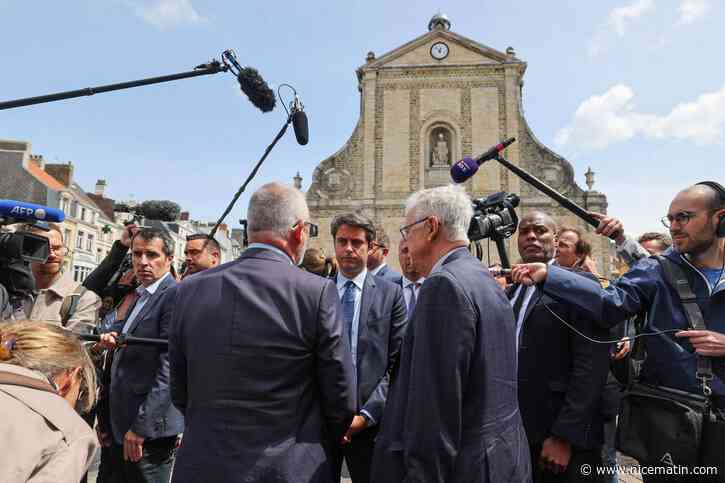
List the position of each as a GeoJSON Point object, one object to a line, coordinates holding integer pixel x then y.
{"type": "Point", "coordinates": [696, 220]}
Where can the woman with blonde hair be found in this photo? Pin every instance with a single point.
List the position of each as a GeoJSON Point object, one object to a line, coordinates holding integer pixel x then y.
{"type": "Point", "coordinates": [45, 372]}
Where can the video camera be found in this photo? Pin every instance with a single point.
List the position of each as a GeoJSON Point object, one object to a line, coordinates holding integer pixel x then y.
{"type": "Point", "coordinates": [18, 249]}
{"type": "Point", "coordinates": [495, 217]}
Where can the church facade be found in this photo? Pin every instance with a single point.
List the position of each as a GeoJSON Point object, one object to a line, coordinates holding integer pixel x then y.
{"type": "Point", "coordinates": [423, 106]}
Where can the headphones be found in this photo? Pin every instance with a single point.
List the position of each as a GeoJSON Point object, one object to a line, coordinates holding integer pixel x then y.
{"type": "Point", "coordinates": [720, 232]}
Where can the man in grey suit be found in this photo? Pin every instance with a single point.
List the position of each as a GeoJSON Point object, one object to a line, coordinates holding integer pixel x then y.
{"type": "Point", "coordinates": [374, 314]}
{"type": "Point", "coordinates": [259, 363]}
{"type": "Point", "coordinates": [137, 421]}
{"type": "Point", "coordinates": [452, 414]}
{"type": "Point", "coordinates": [378, 252]}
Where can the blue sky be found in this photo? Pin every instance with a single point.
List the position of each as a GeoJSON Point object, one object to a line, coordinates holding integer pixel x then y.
{"type": "Point", "coordinates": [633, 88]}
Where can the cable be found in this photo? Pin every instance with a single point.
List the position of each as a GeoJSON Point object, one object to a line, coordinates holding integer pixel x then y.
{"type": "Point", "coordinates": [616, 341]}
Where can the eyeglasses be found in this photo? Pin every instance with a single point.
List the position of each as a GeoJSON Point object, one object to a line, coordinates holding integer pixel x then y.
{"type": "Point", "coordinates": [405, 230]}
{"type": "Point", "coordinates": [375, 246]}
{"type": "Point", "coordinates": [682, 218]}
{"type": "Point", "coordinates": [313, 229]}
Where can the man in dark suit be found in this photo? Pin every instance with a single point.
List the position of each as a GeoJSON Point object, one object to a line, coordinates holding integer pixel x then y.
{"type": "Point", "coordinates": [375, 319]}
{"type": "Point", "coordinates": [378, 252]}
{"type": "Point", "coordinates": [561, 372]}
{"type": "Point", "coordinates": [136, 418]}
{"type": "Point", "coordinates": [452, 414]}
{"type": "Point", "coordinates": [259, 363]}
{"type": "Point", "coordinates": [410, 281]}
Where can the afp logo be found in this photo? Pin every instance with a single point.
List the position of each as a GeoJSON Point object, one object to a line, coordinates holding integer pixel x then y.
{"type": "Point", "coordinates": [25, 212]}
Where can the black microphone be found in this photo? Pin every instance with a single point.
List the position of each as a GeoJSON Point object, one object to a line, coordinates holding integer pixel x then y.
{"type": "Point", "coordinates": [256, 89]}
{"type": "Point", "coordinates": [467, 167]}
{"type": "Point", "coordinates": [299, 122]}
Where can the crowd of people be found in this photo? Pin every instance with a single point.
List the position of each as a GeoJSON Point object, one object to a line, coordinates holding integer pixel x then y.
{"type": "Point", "coordinates": [446, 372]}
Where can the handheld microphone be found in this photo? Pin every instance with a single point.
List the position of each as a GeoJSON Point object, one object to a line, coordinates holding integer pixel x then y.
{"type": "Point", "coordinates": [21, 211]}
{"type": "Point", "coordinates": [467, 167]}
{"type": "Point", "coordinates": [299, 122]}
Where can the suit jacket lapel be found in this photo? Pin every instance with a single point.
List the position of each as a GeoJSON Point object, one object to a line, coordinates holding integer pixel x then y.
{"type": "Point", "coordinates": [149, 304]}
{"type": "Point", "coordinates": [368, 295]}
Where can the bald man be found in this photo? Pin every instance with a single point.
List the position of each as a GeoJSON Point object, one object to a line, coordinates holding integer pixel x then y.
{"type": "Point", "coordinates": [561, 373]}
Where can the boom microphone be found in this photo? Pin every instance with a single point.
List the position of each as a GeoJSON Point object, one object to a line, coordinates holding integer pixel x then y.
{"type": "Point", "coordinates": [256, 89]}
{"type": "Point", "coordinates": [299, 122]}
{"type": "Point", "coordinates": [17, 211]}
{"type": "Point", "coordinates": [467, 167]}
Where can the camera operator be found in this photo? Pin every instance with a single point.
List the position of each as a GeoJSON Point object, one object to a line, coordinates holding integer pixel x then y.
{"type": "Point", "coordinates": [57, 298]}
{"type": "Point", "coordinates": [696, 220]}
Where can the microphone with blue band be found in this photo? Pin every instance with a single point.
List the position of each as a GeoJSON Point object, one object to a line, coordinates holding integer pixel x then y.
{"type": "Point", "coordinates": [467, 167]}
{"type": "Point", "coordinates": [18, 211]}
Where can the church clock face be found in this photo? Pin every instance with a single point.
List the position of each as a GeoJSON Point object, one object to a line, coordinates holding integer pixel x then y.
{"type": "Point", "coordinates": [439, 50]}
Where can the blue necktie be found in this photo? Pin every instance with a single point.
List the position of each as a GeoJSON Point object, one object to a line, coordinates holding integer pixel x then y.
{"type": "Point", "coordinates": [348, 307]}
{"type": "Point", "coordinates": [413, 298]}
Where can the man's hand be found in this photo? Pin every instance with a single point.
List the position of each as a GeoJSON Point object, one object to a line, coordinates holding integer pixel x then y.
{"type": "Point", "coordinates": [623, 348]}
{"type": "Point", "coordinates": [103, 438]}
{"type": "Point", "coordinates": [358, 424]}
{"type": "Point", "coordinates": [132, 447]}
{"type": "Point", "coordinates": [609, 227]}
{"type": "Point", "coordinates": [108, 341]}
{"type": "Point", "coordinates": [529, 273]}
{"type": "Point", "coordinates": [555, 455]}
{"type": "Point", "coordinates": [129, 231]}
{"type": "Point", "coordinates": [705, 342]}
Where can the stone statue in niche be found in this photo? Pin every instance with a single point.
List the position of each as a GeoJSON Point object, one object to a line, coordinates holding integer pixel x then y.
{"type": "Point", "coordinates": [440, 153]}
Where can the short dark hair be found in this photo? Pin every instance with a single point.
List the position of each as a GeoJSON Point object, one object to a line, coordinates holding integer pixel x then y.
{"type": "Point", "coordinates": [664, 239]}
{"type": "Point", "coordinates": [583, 248]}
{"type": "Point", "coordinates": [202, 236]}
{"type": "Point", "coordinates": [355, 220]}
{"type": "Point", "coordinates": [716, 200]}
{"type": "Point", "coordinates": [150, 233]}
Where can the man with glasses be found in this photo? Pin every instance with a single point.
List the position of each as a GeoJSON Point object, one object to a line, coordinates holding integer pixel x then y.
{"type": "Point", "coordinates": [453, 412]}
{"type": "Point", "coordinates": [374, 316]}
{"type": "Point", "coordinates": [59, 299]}
{"type": "Point", "coordinates": [259, 363]}
{"type": "Point", "coordinates": [376, 258]}
{"type": "Point", "coordinates": [696, 221]}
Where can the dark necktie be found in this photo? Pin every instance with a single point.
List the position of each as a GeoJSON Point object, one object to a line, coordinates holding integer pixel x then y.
{"type": "Point", "coordinates": [348, 308]}
{"type": "Point", "coordinates": [518, 303]}
{"type": "Point", "coordinates": [413, 298]}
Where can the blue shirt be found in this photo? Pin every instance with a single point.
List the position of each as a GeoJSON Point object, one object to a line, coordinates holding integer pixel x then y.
{"type": "Point", "coordinates": [359, 282]}
{"type": "Point", "coordinates": [144, 294]}
{"type": "Point", "coordinates": [712, 275]}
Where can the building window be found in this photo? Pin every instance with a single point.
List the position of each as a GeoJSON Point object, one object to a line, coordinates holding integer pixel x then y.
{"type": "Point", "coordinates": [89, 245]}
{"type": "Point", "coordinates": [79, 240]}
{"type": "Point", "coordinates": [67, 239]}
{"type": "Point", "coordinates": [65, 206]}
{"type": "Point", "coordinates": [83, 214]}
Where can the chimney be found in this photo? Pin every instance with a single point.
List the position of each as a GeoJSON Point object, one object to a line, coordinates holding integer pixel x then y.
{"type": "Point", "coordinates": [62, 172]}
{"type": "Point", "coordinates": [184, 216]}
{"type": "Point", "coordinates": [38, 160]}
{"type": "Point", "coordinates": [100, 187]}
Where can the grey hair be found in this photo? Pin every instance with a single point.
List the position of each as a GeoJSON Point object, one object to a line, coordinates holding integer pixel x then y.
{"type": "Point", "coordinates": [276, 207]}
{"type": "Point", "coordinates": [450, 204]}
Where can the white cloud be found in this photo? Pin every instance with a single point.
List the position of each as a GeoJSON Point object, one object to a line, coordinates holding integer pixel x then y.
{"type": "Point", "coordinates": [691, 10]}
{"type": "Point", "coordinates": [619, 17]}
{"type": "Point", "coordinates": [167, 14]}
{"type": "Point", "coordinates": [617, 23]}
{"type": "Point", "coordinates": [611, 118]}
